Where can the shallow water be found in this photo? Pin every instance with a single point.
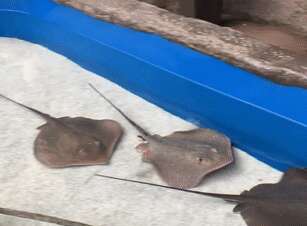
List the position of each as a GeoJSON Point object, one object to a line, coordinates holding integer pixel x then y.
{"type": "Point", "coordinates": [51, 83]}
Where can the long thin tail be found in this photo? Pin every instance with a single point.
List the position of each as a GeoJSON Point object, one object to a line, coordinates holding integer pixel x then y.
{"type": "Point", "coordinates": [230, 198]}
{"type": "Point", "coordinates": [134, 124]}
{"type": "Point", "coordinates": [43, 115]}
{"type": "Point", "coordinates": [40, 217]}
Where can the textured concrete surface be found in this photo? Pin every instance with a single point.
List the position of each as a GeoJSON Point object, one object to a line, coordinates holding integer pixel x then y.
{"type": "Point", "coordinates": [292, 13]}
{"type": "Point", "coordinates": [288, 12]}
{"type": "Point", "coordinates": [274, 35]}
{"type": "Point", "coordinates": [171, 5]}
{"type": "Point", "coordinates": [51, 83]}
{"type": "Point", "coordinates": [227, 44]}
{"type": "Point", "coordinates": [208, 10]}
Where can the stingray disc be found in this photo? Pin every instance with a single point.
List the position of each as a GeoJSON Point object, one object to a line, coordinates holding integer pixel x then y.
{"type": "Point", "coordinates": [56, 148]}
{"type": "Point", "coordinates": [183, 159]}
{"type": "Point", "coordinates": [280, 204]}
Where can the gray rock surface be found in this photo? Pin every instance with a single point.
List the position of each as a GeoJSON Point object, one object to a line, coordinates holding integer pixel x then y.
{"type": "Point", "coordinates": [227, 44]}
{"type": "Point", "coordinates": [288, 12]}
{"type": "Point", "coordinates": [171, 5]}
{"type": "Point", "coordinates": [292, 13]}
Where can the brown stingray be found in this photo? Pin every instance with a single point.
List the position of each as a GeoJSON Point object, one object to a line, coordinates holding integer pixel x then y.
{"type": "Point", "coordinates": [183, 159]}
{"type": "Point", "coordinates": [64, 142]}
{"type": "Point", "coordinates": [280, 204]}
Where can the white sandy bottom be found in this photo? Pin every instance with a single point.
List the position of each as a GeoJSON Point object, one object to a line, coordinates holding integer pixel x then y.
{"type": "Point", "coordinates": [49, 82]}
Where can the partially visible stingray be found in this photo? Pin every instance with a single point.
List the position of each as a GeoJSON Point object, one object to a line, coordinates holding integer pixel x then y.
{"type": "Point", "coordinates": [280, 204]}
{"type": "Point", "coordinates": [64, 142]}
{"type": "Point", "coordinates": [183, 159]}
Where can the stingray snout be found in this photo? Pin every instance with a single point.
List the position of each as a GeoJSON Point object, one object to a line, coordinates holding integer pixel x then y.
{"type": "Point", "coordinates": [144, 149]}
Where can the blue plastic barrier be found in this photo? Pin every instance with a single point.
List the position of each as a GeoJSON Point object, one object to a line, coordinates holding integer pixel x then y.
{"type": "Point", "coordinates": [265, 119]}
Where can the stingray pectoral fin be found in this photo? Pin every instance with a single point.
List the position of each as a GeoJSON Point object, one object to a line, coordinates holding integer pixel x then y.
{"type": "Point", "coordinates": [46, 153]}
{"type": "Point", "coordinates": [174, 179]}
{"type": "Point", "coordinates": [183, 168]}
{"type": "Point", "coordinates": [240, 207]}
{"type": "Point", "coordinates": [50, 124]}
{"type": "Point", "coordinates": [207, 136]}
{"type": "Point", "coordinates": [111, 133]}
{"type": "Point", "coordinates": [268, 214]}
{"type": "Point", "coordinates": [180, 174]}
{"type": "Point", "coordinates": [41, 126]}
{"type": "Point", "coordinates": [92, 142]}
{"type": "Point", "coordinates": [295, 175]}
{"type": "Point", "coordinates": [107, 132]}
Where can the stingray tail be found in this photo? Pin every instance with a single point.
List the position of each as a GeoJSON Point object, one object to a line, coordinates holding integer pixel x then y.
{"type": "Point", "coordinates": [43, 115]}
{"type": "Point", "coordinates": [134, 124]}
{"type": "Point", "coordinates": [229, 198]}
{"type": "Point", "coordinates": [40, 217]}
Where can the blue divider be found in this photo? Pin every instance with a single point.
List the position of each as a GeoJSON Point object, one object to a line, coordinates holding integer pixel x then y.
{"type": "Point", "coordinates": [265, 119]}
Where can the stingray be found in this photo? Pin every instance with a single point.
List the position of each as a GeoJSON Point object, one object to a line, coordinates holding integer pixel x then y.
{"type": "Point", "coordinates": [183, 158]}
{"type": "Point", "coordinates": [64, 142]}
{"type": "Point", "coordinates": [280, 204]}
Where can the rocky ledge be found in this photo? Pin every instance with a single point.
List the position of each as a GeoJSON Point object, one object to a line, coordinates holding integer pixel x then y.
{"type": "Point", "coordinates": [224, 43]}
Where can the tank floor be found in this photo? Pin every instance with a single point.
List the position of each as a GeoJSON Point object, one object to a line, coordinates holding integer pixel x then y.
{"type": "Point", "coordinates": [51, 83]}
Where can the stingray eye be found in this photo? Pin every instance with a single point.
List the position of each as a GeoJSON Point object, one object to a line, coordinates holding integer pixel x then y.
{"type": "Point", "coordinates": [200, 160]}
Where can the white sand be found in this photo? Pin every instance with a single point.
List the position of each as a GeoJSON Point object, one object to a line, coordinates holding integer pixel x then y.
{"type": "Point", "coordinates": [51, 83]}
